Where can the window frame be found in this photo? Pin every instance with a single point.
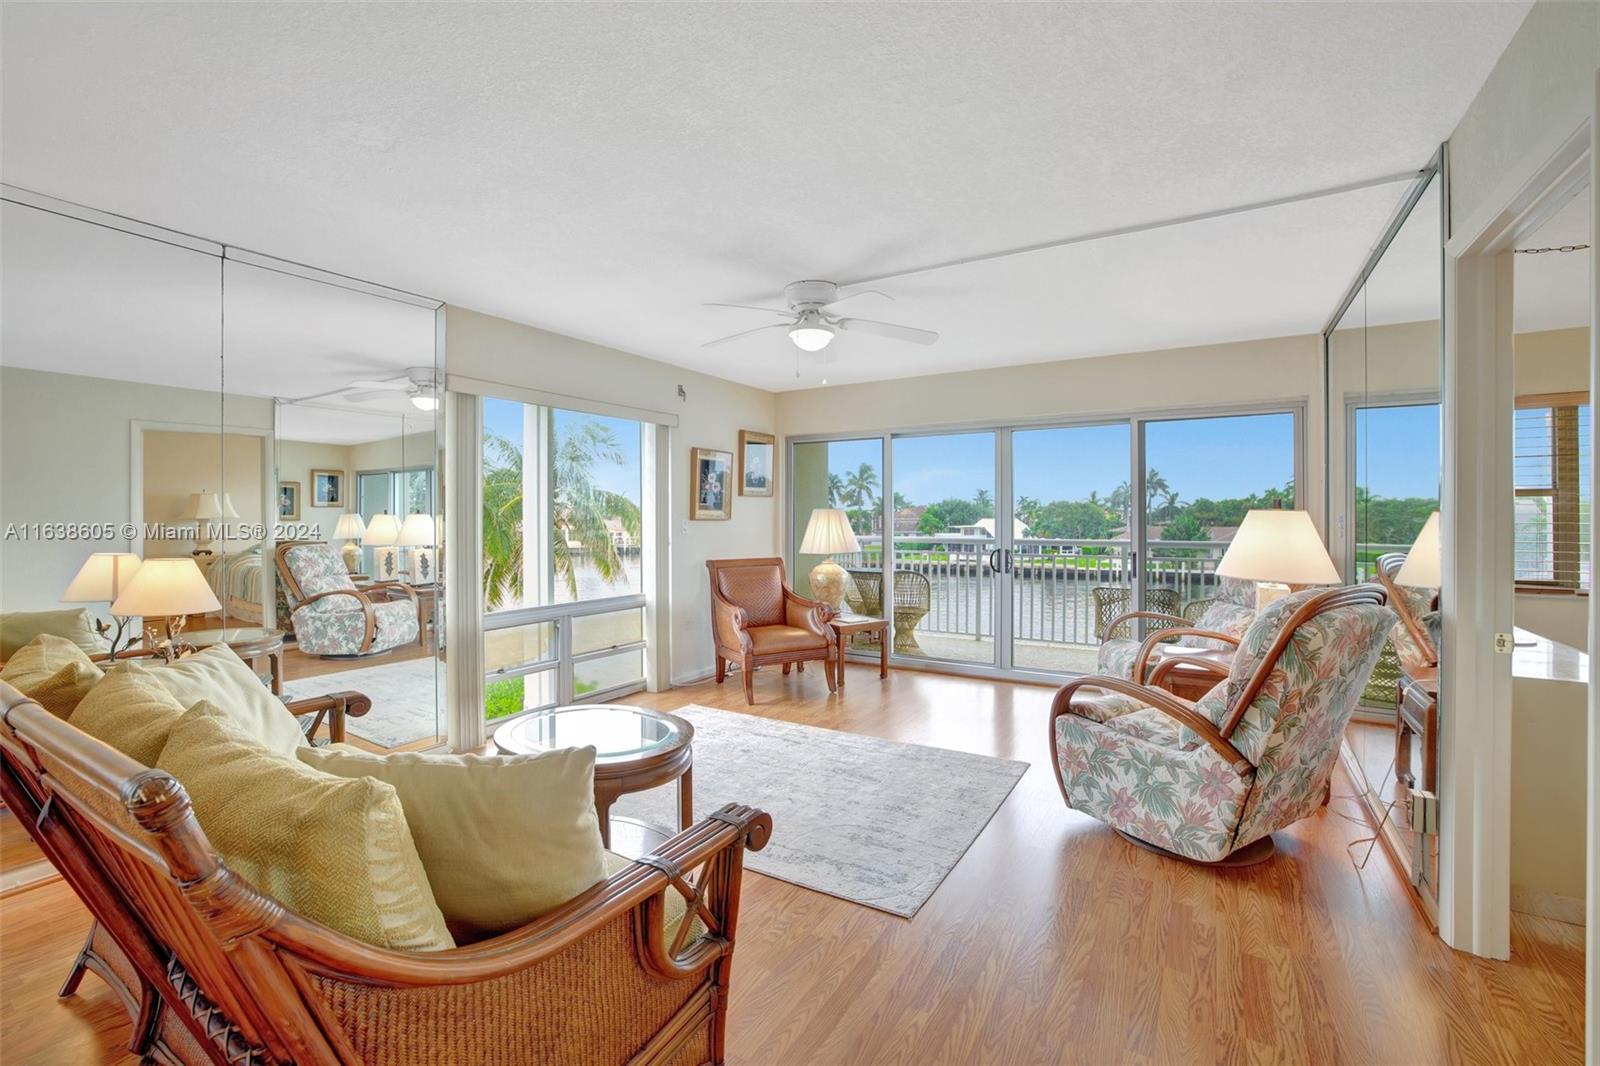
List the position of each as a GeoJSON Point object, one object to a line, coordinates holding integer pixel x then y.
{"type": "Point", "coordinates": [1564, 492]}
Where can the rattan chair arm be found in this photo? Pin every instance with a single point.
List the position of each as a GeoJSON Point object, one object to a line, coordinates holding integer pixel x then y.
{"type": "Point", "coordinates": [317, 949]}
{"type": "Point", "coordinates": [1164, 636]}
{"type": "Point", "coordinates": [1170, 663]}
{"type": "Point", "coordinates": [387, 587]}
{"type": "Point", "coordinates": [370, 628]}
{"type": "Point", "coordinates": [1180, 710]}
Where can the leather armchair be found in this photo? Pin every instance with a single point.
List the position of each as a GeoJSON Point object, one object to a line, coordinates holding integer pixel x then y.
{"type": "Point", "coordinates": [758, 620]}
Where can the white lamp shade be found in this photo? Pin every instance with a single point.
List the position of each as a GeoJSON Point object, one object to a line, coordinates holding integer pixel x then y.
{"type": "Point", "coordinates": [416, 531]}
{"type": "Point", "coordinates": [101, 578]}
{"type": "Point", "coordinates": [203, 506]}
{"type": "Point", "coordinates": [228, 510]}
{"type": "Point", "coordinates": [1281, 546]}
{"type": "Point", "coordinates": [1423, 562]}
{"type": "Point", "coordinates": [164, 587]}
{"type": "Point", "coordinates": [829, 533]}
{"type": "Point", "coordinates": [383, 531]}
{"type": "Point", "coordinates": [350, 527]}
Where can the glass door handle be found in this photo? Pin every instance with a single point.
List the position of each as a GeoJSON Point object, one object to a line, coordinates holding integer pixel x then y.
{"type": "Point", "coordinates": [1008, 560]}
{"type": "Point", "coordinates": [994, 565]}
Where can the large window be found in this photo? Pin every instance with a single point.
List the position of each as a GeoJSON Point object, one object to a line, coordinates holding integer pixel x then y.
{"type": "Point", "coordinates": [1396, 482]}
{"type": "Point", "coordinates": [1551, 438]}
{"type": "Point", "coordinates": [562, 556]}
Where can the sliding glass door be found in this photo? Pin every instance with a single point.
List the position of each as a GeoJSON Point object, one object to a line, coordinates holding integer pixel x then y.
{"type": "Point", "coordinates": [1011, 549]}
{"type": "Point", "coordinates": [1200, 477]}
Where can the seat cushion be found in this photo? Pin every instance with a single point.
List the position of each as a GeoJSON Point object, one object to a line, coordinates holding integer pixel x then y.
{"type": "Point", "coordinates": [774, 640]}
{"type": "Point", "coordinates": [332, 849]}
{"type": "Point", "coordinates": [53, 672]}
{"type": "Point", "coordinates": [18, 628]}
{"type": "Point", "coordinates": [218, 674]}
{"type": "Point", "coordinates": [504, 839]}
{"type": "Point", "coordinates": [131, 711]}
{"type": "Point", "coordinates": [757, 589]}
{"type": "Point", "coordinates": [337, 625]}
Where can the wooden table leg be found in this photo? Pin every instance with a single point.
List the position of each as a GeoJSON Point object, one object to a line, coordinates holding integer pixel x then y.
{"type": "Point", "coordinates": [883, 654]}
{"type": "Point", "coordinates": [838, 668]}
{"type": "Point", "coordinates": [275, 662]}
{"type": "Point", "coordinates": [686, 799]}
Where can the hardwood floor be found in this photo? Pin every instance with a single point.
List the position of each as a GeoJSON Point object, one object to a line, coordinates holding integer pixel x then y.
{"type": "Point", "coordinates": [1052, 940]}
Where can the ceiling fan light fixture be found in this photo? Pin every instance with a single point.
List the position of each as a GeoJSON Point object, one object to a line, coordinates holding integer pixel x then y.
{"type": "Point", "coordinates": [811, 336]}
{"type": "Point", "coordinates": [425, 398]}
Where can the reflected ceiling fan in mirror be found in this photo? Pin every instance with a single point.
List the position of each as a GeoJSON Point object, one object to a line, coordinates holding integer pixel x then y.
{"type": "Point", "coordinates": [417, 383]}
{"type": "Point", "coordinates": [812, 323]}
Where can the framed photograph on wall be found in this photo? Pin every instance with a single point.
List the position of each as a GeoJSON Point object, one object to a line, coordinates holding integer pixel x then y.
{"type": "Point", "coordinates": [327, 488]}
{"type": "Point", "coordinates": [710, 477]}
{"type": "Point", "coordinates": [288, 501]}
{"type": "Point", "coordinates": [757, 462]}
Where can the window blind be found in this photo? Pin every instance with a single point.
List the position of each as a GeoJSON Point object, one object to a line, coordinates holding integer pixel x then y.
{"type": "Point", "coordinates": [1551, 519]}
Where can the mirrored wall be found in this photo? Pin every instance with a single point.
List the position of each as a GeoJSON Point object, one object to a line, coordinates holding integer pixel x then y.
{"type": "Point", "coordinates": [164, 401]}
{"type": "Point", "coordinates": [1384, 360]}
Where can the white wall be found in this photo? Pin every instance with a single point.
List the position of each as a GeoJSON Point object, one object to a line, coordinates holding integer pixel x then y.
{"type": "Point", "coordinates": [178, 464]}
{"type": "Point", "coordinates": [494, 349]}
{"type": "Point", "coordinates": [296, 460]}
{"type": "Point", "coordinates": [64, 457]}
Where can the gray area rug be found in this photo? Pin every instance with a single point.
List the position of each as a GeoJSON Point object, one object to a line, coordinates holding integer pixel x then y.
{"type": "Point", "coordinates": [872, 821]}
{"type": "Point", "coordinates": [404, 699]}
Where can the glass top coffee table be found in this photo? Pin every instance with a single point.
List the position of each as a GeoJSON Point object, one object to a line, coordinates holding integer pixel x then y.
{"type": "Point", "coordinates": [635, 749]}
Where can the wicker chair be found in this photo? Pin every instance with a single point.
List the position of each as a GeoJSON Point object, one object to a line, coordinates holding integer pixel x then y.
{"type": "Point", "coordinates": [212, 971]}
{"type": "Point", "coordinates": [1113, 604]}
{"type": "Point", "coordinates": [913, 597]}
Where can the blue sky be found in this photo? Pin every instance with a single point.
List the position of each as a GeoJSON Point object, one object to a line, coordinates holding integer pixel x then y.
{"type": "Point", "coordinates": [1397, 450]}
{"type": "Point", "coordinates": [504, 418]}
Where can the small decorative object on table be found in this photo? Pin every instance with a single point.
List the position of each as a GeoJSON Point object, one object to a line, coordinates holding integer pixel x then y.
{"type": "Point", "coordinates": [171, 589]}
{"type": "Point", "coordinates": [635, 749]}
{"type": "Point", "coordinates": [711, 495]}
{"type": "Point", "coordinates": [101, 579]}
{"type": "Point", "coordinates": [829, 533]}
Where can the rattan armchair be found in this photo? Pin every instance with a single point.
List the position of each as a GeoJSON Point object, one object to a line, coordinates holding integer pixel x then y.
{"type": "Point", "coordinates": [913, 597]}
{"type": "Point", "coordinates": [212, 971]}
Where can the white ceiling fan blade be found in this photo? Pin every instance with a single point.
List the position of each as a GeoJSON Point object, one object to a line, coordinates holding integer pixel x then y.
{"type": "Point", "coordinates": [369, 394]}
{"type": "Point", "coordinates": [888, 329]}
{"type": "Point", "coordinates": [853, 295]}
{"type": "Point", "coordinates": [751, 307]}
{"type": "Point", "coordinates": [393, 385]}
{"type": "Point", "coordinates": [744, 333]}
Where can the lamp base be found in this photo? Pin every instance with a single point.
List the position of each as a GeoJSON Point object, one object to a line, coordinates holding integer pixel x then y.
{"type": "Point", "coordinates": [827, 583]}
{"type": "Point", "coordinates": [351, 554]}
{"type": "Point", "coordinates": [1268, 593]}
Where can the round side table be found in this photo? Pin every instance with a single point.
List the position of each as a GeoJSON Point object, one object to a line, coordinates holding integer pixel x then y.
{"type": "Point", "coordinates": [635, 749]}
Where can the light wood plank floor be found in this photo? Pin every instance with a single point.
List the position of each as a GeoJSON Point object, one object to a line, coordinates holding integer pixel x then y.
{"type": "Point", "coordinates": [1051, 941]}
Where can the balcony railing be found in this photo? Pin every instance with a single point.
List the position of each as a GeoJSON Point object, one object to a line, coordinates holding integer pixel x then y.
{"type": "Point", "coordinates": [1054, 580]}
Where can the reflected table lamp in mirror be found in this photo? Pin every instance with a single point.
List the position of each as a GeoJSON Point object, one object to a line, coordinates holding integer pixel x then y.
{"type": "Point", "coordinates": [416, 533]}
{"type": "Point", "coordinates": [207, 510]}
{"type": "Point", "coordinates": [170, 589]}
{"type": "Point", "coordinates": [383, 536]}
{"type": "Point", "coordinates": [101, 579]}
{"type": "Point", "coordinates": [351, 529]}
{"type": "Point", "coordinates": [1277, 549]}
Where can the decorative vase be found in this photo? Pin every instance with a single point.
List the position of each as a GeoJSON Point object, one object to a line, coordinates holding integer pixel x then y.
{"type": "Point", "coordinates": [351, 554]}
{"type": "Point", "coordinates": [827, 583]}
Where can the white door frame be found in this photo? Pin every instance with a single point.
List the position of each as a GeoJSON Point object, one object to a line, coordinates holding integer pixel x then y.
{"type": "Point", "coordinates": [1477, 595]}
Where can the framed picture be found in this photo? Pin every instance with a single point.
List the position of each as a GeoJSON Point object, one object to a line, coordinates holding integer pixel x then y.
{"type": "Point", "coordinates": [288, 501]}
{"type": "Point", "coordinates": [710, 474]}
{"type": "Point", "coordinates": [757, 462]}
{"type": "Point", "coordinates": [327, 488]}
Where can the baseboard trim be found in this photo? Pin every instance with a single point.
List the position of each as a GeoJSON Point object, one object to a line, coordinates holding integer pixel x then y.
{"type": "Point", "coordinates": [1540, 904]}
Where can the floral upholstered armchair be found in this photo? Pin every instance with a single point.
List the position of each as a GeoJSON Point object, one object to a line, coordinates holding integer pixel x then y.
{"type": "Point", "coordinates": [1206, 780]}
{"type": "Point", "coordinates": [331, 616]}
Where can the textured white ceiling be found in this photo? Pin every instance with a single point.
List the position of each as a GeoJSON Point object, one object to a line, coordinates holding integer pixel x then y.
{"type": "Point", "coordinates": [601, 170]}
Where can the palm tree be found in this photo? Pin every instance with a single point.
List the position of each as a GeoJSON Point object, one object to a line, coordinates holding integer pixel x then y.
{"type": "Point", "coordinates": [1121, 501]}
{"type": "Point", "coordinates": [860, 486]}
{"type": "Point", "coordinates": [1170, 504]}
{"type": "Point", "coordinates": [835, 490]}
{"type": "Point", "coordinates": [985, 502]}
{"type": "Point", "coordinates": [580, 509]}
{"type": "Point", "coordinates": [1154, 485]}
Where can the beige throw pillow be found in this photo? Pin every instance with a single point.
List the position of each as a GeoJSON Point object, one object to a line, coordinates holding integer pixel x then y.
{"type": "Point", "coordinates": [504, 839]}
{"type": "Point", "coordinates": [332, 849]}
{"type": "Point", "coordinates": [129, 711]}
{"type": "Point", "coordinates": [18, 628]}
{"type": "Point", "coordinates": [53, 672]}
{"type": "Point", "coordinates": [219, 675]}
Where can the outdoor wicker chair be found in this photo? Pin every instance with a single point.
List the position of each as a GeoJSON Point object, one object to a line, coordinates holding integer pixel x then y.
{"type": "Point", "coordinates": [913, 596]}
{"type": "Point", "coordinates": [1113, 602]}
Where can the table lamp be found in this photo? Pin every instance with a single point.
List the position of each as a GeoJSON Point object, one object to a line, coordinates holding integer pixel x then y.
{"type": "Point", "coordinates": [350, 530]}
{"type": "Point", "coordinates": [171, 589]}
{"type": "Point", "coordinates": [829, 533]}
{"type": "Point", "coordinates": [204, 509]}
{"type": "Point", "coordinates": [383, 533]}
{"type": "Point", "coordinates": [416, 533]}
{"type": "Point", "coordinates": [1277, 549]}
{"type": "Point", "coordinates": [101, 579]}
{"type": "Point", "coordinates": [1423, 565]}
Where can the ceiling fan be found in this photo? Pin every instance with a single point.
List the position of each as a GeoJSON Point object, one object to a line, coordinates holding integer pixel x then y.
{"type": "Point", "coordinates": [812, 324]}
{"type": "Point", "coordinates": [417, 383]}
